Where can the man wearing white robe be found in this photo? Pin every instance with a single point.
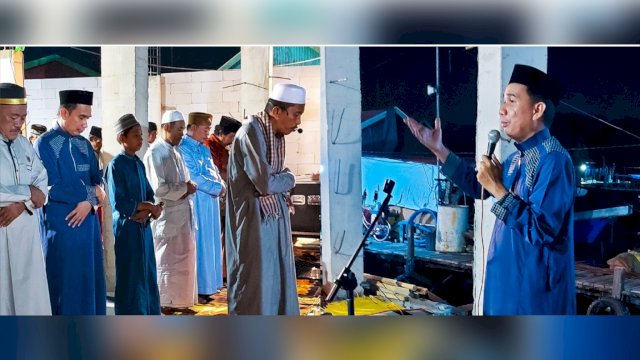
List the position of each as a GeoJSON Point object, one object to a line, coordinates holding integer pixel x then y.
{"type": "Point", "coordinates": [261, 272]}
{"type": "Point", "coordinates": [23, 190]}
{"type": "Point", "coordinates": [173, 231]}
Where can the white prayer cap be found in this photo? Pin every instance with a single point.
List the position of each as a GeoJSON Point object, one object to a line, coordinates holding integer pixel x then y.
{"type": "Point", "coordinates": [288, 93]}
{"type": "Point", "coordinates": [170, 116]}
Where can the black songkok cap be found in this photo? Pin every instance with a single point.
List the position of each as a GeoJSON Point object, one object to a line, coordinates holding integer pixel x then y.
{"type": "Point", "coordinates": [12, 94]}
{"type": "Point", "coordinates": [229, 124]}
{"type": "Point", "coordinates": [76, 97]}
{"type": "Point", "coordinates": [96, 131]}
{"type": "Point", "coordinates": [37, 129]}
{"type": "Point", "coordinates": [537, 81]}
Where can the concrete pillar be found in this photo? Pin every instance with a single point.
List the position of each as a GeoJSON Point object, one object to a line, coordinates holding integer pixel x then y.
{"type": "Point", "coordinates": [125, 89]}
{"type": "Point", "coordinates": [340, 157]}
{"type": "Point", "coordinates": [155, 105]}
{"type": "Point", "coordinates": [495, 64]}
{"type": "Point", "coordinates": [255, 70]}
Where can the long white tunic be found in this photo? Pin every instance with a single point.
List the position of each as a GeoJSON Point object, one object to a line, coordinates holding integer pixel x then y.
{"type": "Point", "coordinates": [261, 272]}
{"type": "Point", "coordinates": [23, 279]}
{"type": "Point", "coordinates": [173, 231]}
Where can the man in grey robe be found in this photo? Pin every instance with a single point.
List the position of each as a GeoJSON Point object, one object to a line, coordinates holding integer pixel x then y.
{"type": "Point", "coordinates": [23, 190]}
{"type": "Point", "coordinates": [261, 273]}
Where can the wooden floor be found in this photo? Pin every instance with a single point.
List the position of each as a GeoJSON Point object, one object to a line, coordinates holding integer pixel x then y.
{"type": "Point", "coordinates": [599, 281]}
{"type": "Point", "coordinates": [308, 295]}
{"type": "Point", "coordinates": [589, 280]}
{"type": "Point", "coordinates": [452, 261]}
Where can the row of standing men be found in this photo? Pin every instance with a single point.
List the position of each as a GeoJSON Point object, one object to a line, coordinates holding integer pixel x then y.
{"type": "Point", "coordinates": [165, 212]}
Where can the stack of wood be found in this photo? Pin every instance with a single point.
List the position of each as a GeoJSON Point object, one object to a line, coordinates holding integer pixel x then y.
{"type": "Point", "coordinates": [408, 296]}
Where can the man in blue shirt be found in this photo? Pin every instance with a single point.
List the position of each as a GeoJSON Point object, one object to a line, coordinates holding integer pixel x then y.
{"type": "Point", "coordinates": [207, 209]}
{"type": "Point", "coordinates": [530, 265]}
{"type": "Point", "coordinates": [74, 256]}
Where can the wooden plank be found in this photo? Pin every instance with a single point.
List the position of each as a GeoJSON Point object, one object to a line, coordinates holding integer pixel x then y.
{"type": "Point", "coordinates": [392, 295]}
{"type": "Point", "coordinates": [434, 307]}
{"type": "Point", "coordinates": [631, 287]}
{"type": "Point", "coordinates": [390, 282]}
{"type": "Point", "coordinates": [604, 213]}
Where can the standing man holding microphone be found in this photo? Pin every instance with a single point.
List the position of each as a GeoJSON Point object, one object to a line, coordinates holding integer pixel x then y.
{"type": "Point", "coordinates": [530, 266]}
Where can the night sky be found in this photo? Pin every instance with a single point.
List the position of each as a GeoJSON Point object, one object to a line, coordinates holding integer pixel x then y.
{"type": "Point", "coordinates": [602, 81]}
{"type": "Point", "coordinates": [205, 58]}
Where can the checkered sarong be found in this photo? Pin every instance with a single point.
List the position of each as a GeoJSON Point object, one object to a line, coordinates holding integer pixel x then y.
{"type": "Point", "coordinates": [275, 158]}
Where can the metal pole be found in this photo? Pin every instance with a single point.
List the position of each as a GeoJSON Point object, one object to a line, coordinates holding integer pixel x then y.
{"type": "Point", "coordinates": [437, 82]}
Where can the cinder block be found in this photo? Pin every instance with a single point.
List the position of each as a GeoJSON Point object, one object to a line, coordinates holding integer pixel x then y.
{"type": "Point", "coordinates": [186, 109]}
{"type": "Point", "coordinates": [34, 105]}
{"type": "Point", "coordinates": [310, 71]}
{"type": "Point", "coordinates": [51, 105]}
{"type": "Point", "coordinates": [223, 107]}
{"type": "Point", "coordinates": [228, 96]}
{"type": "Point", "coordinates": [304, 169]}
{"type": "Point", "coordinates": [59, 84]}
{"type": "Point", "coordinates": [291, 72]}
{"type": "Point", "coordinates": [232, 75]}
{"type": "Point", "coordinates": [84, 83]}
{"type": "Point", "coordinates": [207, 76]}
{"type": "Point", "coordinates": [176, 78]}
{"type": "Point", "coordinates": [186, 88]}
{"type": "Point", "coordinates": [32, 84]}
{"type": "Point", "coordinates": [218, 86]}
{"type": "Point", "coordinates": [177, 99]}
{"type": "Point", "coordinates": [207, 97]}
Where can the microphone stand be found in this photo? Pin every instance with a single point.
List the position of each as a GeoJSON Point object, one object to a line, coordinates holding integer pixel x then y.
{"type": "Point", "coordinates": [347, 280]}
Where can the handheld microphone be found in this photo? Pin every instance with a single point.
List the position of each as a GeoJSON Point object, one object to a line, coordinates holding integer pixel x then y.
{"type": "Point", "coordinates": [299, 131]}
{"type": "Point", "coordinates": [494, 136]}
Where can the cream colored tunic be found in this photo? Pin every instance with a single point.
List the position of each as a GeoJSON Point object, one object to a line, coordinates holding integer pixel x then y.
{"type": "Point", "coordinates": [23, 278]}
{"type": "Point", "coordinates": [173, 231]}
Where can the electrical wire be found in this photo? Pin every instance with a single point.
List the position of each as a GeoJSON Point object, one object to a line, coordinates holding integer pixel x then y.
{"type": "Point", "coordinates": [87, 51]}
{"type": "Point", "coordinates": [604, 147]}
{"type": "Point", "coordinates": [601, 120]}
{"type": "Point", "coordinates": [482, 247]}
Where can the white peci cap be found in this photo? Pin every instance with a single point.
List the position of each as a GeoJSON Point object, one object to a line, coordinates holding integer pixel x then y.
{"type": "Point", "coordinates": [171, 116]}
{"type": "Point", "coordinates": [288, 93]}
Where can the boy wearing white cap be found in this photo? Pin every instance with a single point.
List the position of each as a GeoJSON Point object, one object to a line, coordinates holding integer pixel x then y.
{"type": "Point", "coordinates": [173, 231]}
{"type": "Point", "coordinates": [261, 272]}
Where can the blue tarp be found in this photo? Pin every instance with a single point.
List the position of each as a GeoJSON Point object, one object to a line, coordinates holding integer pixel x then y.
{"type": "Point", "coordinates": [415, 182]}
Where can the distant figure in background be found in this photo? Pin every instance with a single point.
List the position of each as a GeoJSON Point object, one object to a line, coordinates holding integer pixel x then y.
{"type": "Point", "coordinates": [95, 138]}
{"type": "Point", "coordinates": [261, 272]}
{"type": "Point", "coordinates": [132, 201]}
{"type": "Point", "coordinates": [530, 267]}
{"type": "Point", "coordinates": [153, 132]}
{"type": "Point", "coordinates": [218, 144]}
{"type": "Point", "coordinates": [74, 258]}
{"type": "Point", "coordinates": [210, 186]}
{"type": "Point", "coordinates": [36, 131]}
{"type": "Point", "coordinates": [173, 231]}
{"type": "Point", "coordinates": [23, 189]}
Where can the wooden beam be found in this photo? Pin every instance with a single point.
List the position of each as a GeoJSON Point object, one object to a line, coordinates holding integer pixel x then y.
{"type": "Point", "coordinates": [604, 213]}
